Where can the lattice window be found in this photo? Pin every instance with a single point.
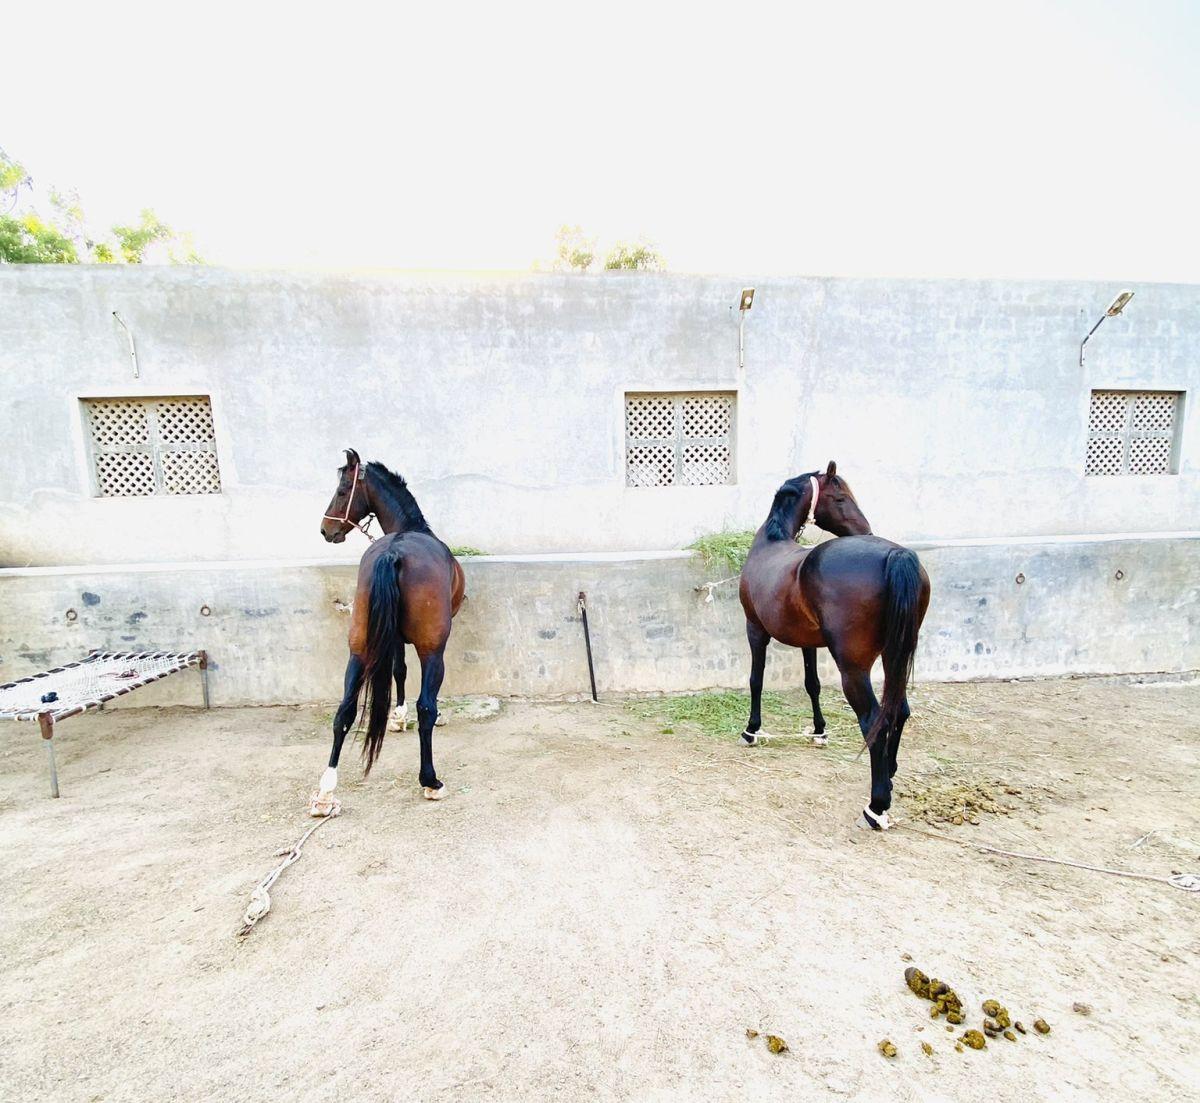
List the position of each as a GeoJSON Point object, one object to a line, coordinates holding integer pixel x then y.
{"type": "Point", "coordinates": [146, 446]}
{"type": "Point", "coordinates": [1133, 433]}
{"type": "Point", "coordinates": [679, 439]}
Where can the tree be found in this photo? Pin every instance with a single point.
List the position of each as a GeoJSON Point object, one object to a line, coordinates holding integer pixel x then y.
{"type": "Point", "coordinates": [28, 240]}
{"type": "Point", "coordinates": [574, 251]}
{"type": "Point", "coordinates": [63, 238]}
{"type": "Point", "coordinates": [642, 257]}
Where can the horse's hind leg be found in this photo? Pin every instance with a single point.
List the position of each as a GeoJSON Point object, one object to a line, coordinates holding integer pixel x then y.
{"type": "Point", "coordinates": [399, 720]}
{"type": "Point", "coordinates": [343, 721]}
{"type": "Point", "coordinates": [433, 669]}
{"type": "Point", "coordinates": [758, 638]}
{"type": "Point", "coordinates": [856, 684]}
{"type": "Point", "coordinates": [894, 738]}
{"type": "Point", "coordinates": [812, 684]}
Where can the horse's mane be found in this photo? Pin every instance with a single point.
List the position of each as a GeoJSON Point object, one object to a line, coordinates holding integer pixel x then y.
{"type": "Point", "coordinates": [779, 519]}
{"type": "Point", "coordinates": [394, 490]}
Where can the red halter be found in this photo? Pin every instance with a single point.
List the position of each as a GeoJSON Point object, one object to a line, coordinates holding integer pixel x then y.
{"type": "Point", "coordinates": [362, 526]}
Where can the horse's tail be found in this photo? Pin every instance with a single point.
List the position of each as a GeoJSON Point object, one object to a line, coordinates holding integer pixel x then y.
{"type": "Point", "coordinates": [383, 637]}
{"type": "Point", "coordinates": [901, 623]}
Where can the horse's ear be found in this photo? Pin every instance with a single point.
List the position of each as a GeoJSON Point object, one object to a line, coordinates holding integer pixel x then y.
{"type": "Point", "coordinates": [352, 459]}
{"type": "Point", "coordinates": [831, 470]}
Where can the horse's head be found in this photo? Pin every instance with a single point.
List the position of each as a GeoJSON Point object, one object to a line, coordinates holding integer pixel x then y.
{"type": "Point", "coordinates": [837, 510]}
{"type": "Point", "coordinates": [349, 504]}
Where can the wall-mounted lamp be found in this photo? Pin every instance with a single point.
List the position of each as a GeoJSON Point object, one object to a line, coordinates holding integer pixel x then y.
{"type": "Point", "coordinates": [744, 304]}
{"type": "Point", "coordinates": [132, 350]}
{"type": "Point", "coordinates": [1114, 308]}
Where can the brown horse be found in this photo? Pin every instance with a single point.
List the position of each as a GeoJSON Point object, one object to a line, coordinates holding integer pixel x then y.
{"type": "Point", "coordinates": [409, 588]}
{"type": "Point", "coordinates": [860, 596]}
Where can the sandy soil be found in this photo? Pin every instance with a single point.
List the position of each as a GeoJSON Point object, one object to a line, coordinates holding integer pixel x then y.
{"type": "Point", "coordinates": [599, 910]}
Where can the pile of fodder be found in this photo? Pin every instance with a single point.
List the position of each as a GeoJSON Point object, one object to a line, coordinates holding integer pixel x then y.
{"type": "Point", "coordinates": [948, 801]}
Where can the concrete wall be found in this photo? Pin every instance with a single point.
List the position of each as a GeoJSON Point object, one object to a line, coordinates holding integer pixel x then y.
{"type": "Point", "coordinates": [276, 632]}
{"type": "Point", "coordinates": [957, 409]}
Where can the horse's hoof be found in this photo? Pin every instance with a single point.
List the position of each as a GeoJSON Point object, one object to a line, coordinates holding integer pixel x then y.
{"type": "Point", "coordinates": [440, 722]}
{"type": "Point", "coordinates": [820, 740]}
{"type": "Point", "coordinates": [756, 739]}
{"type": "Point", "coordinates": [399, 719]}
{"type": "Point", "coordinates": [321, 805]}
{"type": "Point", "coordinates": [876, 821]}
{"type": "Point", "coordinates": [432, 794]}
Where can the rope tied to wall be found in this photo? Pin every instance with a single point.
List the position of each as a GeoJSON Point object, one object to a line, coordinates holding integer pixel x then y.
{"type": "Point", "coordinates": [260, 897]}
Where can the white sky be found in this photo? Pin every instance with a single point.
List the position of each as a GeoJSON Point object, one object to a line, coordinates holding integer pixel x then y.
{"type": "Point", "coordinates": [959, 139]}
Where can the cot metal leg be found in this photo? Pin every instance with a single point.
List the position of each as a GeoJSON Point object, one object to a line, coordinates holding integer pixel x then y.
{"type": "Point", "coordinates": [204, 675]}
{"type": "Point", "coordinates": [46, 723]}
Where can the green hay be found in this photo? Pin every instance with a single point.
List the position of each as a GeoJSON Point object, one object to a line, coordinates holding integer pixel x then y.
{"type": "Point", "coordinates": [727, 550]}
{"type": "Point", "coordinates": [718, 714]}
{"type": "Point", "coordinates": [723, 549]}
{"type": "Point", "coordinates": [465, 551]}
{"type": "Point", "coordinates": [724, 714]}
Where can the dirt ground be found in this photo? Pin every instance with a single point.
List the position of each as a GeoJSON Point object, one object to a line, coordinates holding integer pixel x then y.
{"type": "Point", "coordinates": [601, 909]}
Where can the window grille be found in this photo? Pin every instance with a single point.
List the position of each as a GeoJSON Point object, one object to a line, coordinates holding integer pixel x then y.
{"type": "Point", "coordinates": [146, 446]}
{"type": "Point", "coordinates": [679, 439]}
{"type": "Point", "coordinates": [1133, 433]}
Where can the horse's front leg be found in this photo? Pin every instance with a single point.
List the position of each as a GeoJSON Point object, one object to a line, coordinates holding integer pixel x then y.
{"type": "Point", "coordinates": [812, 683]}
{"type": "Point", "coordinates": [399, 720]}
{"type": "Point", "coordinates": [757, 636]}
{"type": "Point", "coordinates": [343, 721]}
{"type": "Point", "coordinates": [433, 669]}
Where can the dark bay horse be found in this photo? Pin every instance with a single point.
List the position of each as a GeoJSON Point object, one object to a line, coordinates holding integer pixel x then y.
{"type": "Point", "coordinates": [409, 588]}
{"type": "Point", "coordinates": [860, 596]}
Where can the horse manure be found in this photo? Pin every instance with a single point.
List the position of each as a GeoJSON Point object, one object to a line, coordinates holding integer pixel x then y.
{"type": "Point", "coordinates": [954, 1017]}
{"type": "Point", "coordinates": [950, 1028]}
{"type": "Point", "coordinates": [991, 1008]}
{"type": "Point", "coordinates": [917, 981]}
{"type": "Point", "coordinates": [1002, 1019]}
{"type": "Point", "coordinates": [974, 1039]}
{"type": "Point", "coordinates": [927, 1049]}
{"type": "Point", "coordinates": [989, 1029]}
{"type": "Point", "coordinates": [955, 801]}
{"type": "Point", "coordinates": [958, 1047]}
{"type": "Point", "coordinates": [887, 1048]}
{"type": "Point", "coordinates": [1020, 1028]}
{"type": "Point", "coordinates": [751, 1033]}
{"type": "Point", "coordinates": [1041, 1026]}
{"type": "Point", "coordinates": [1010, 1036]}
{"type": "Point", "coordinates": [934, 1011]}
{"type": "Point", "coordinates": [776, 1044]}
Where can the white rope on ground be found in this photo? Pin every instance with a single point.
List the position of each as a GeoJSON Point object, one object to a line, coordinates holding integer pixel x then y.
{"type": "Point", "coordinates": [1189, 882]}
{"type": "Point", "coordinates": [260, 898]}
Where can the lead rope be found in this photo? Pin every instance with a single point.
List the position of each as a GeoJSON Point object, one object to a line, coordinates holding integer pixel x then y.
{"type": "Point", "coordinates": [1188, 882]}
{"type": "Point", "coordinates": [260, 898]}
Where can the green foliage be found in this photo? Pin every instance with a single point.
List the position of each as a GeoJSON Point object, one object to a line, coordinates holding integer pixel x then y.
{"type": "Point", "coordinates": [724, 549]}
{"type": "Point", "coordinates": [12, 175]}
{"type": "Point", "coordinates": [465, 551]}
{"type": "Point", "coordinates": [62, 238]}
{"type": "Point", "coordinates": [641, 257]}
{"type": "Point", "coordinates": [574, 251]}
{"type": "Point", "coordinates": [28, 240]}
{"type": "Point", "coordinates": [133, 240]}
